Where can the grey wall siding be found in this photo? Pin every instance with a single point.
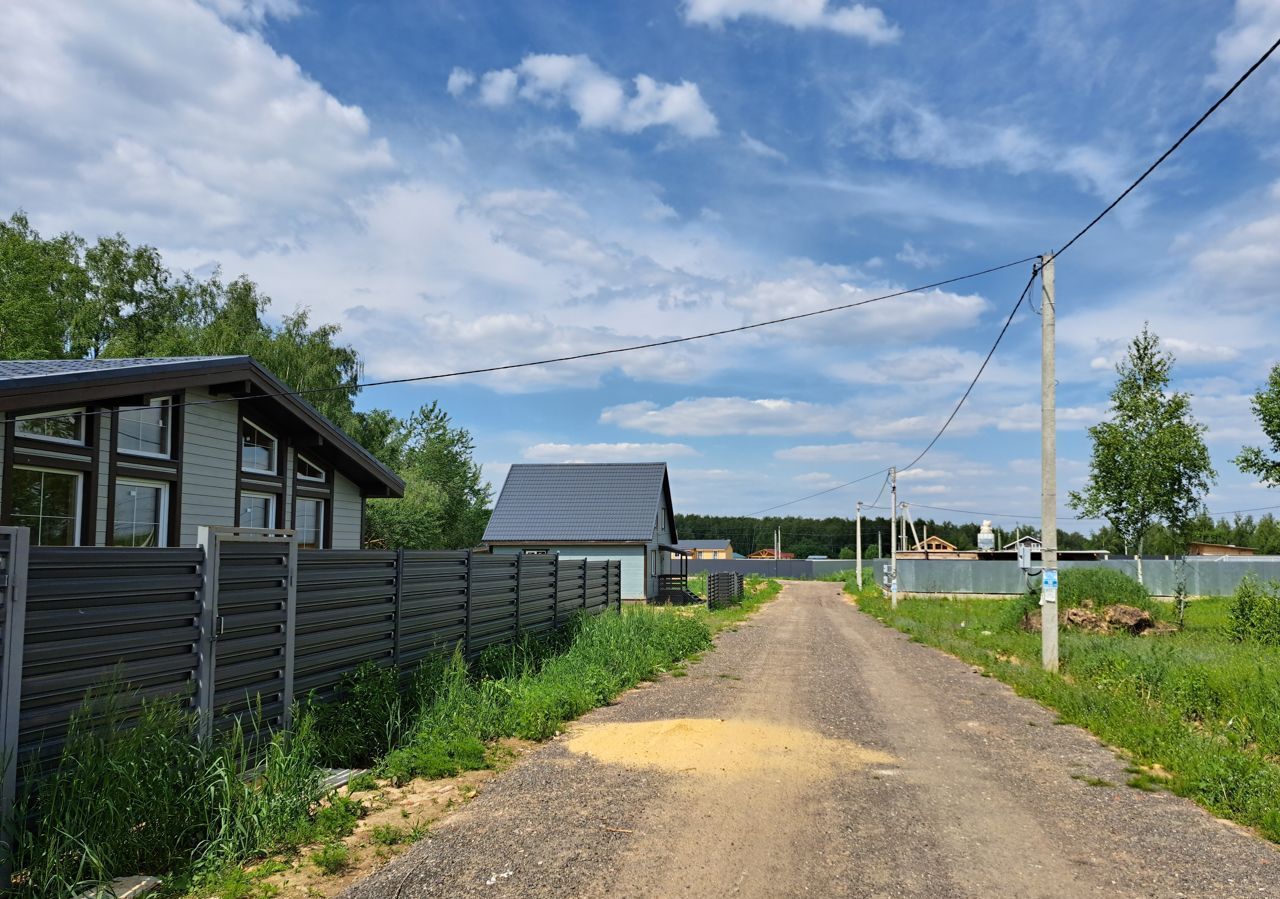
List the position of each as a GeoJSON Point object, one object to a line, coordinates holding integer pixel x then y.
{"type": "Point", "coordinates": [102, 466]}
{"type": "Point", "coordinates": [346, 513]}
{"type": "Point", "coordinates": [631, 557]}
{"type": "Point", "coordinates": [208, 464]}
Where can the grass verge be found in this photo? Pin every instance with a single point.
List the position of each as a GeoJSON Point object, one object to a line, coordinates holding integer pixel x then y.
{"type": "Point", "coordinates": [148, 798]}
{"type": "Point", "coordinates": [1195, 706]}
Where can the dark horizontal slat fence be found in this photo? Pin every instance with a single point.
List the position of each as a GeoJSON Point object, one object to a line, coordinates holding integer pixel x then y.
{"type": "Point", "coordinates": [245, 622]}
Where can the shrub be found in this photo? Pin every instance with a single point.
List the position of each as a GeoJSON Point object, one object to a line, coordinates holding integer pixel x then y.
{"type": "Point", "coordinates": [1098, 587]}
{"type": "Point", "coordinates": [1255, 611]}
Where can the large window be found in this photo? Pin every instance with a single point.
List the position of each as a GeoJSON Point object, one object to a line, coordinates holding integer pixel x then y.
{"type": "Point", "coordinates": [308, 523]}
{"type": "Point", "coordinates": [141, 514]}
{"type": "Point", "coordinates": [257, 510]}
{"type": "Point", "coordinates": [257, 449]}
{"type": "Point", "coordinates": [62, 425]}
{"type": "Point", "coordinates": [48, 502]}
{"type": "Point", "coordinates": [144, 430]}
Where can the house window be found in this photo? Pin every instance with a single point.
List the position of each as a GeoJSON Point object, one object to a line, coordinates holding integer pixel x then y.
{"type": "Point", "coordinates": [62, 426]}
{"type": "Point", "coordinates": [141, 512]}
{"type": "Point", "coordinates": [310, 471]}
{"type": "Point", "coordinates": [48, 502]}
{"type": "Point", "coordinates": [308, 523]}
{"type": "Point", "coordinates": [257, 449]}
{"type": "Point", "coordinates": [257, 510]}
{"type": "Point", "coordinates": [144, 430]}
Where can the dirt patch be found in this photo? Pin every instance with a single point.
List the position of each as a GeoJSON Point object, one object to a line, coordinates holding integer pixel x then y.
{"type": "Point", "coordinates": [722, 748]}
{"type": "Point", "coordinates": [395, 818]}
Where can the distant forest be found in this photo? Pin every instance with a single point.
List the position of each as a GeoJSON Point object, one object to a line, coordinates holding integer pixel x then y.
{"type": "Point", "coordinates": [834, 537]}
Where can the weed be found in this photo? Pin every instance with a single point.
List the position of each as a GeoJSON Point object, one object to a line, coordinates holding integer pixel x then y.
{"type": "Point", "coordinates": [1092, 781]}
{"type": "Point", "coordinates": [331, 858]}
{"type": "Point", "coordinates": [1255, 611]}
{"type": "Point", "coordinates": [362, 783]}
{"type": "Point", "coordinates": [391, 835]}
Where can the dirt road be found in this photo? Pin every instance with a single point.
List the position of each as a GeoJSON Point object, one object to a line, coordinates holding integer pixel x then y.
{"type": "Point", "coordinates": [817, 753]}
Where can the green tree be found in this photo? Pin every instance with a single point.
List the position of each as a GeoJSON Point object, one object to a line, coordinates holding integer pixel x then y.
{"type": "Point", "coordinates": [1254, 460]}
{"type": "Point", "coordinates": [41, 281]}
{"type": "Point", "coordinates": [1150, 463]}
{"type": "Point", "coordinates": [445, 504]}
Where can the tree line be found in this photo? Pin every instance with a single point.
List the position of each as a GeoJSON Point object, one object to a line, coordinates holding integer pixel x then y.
{"type": "Point", "coordinates": [63, 297]}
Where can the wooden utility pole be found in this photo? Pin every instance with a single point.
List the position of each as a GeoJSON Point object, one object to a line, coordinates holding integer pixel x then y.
{"type": "Point", "coordinates": [857, 539]}
{"type": "Point", "coordinates": [1048, 473]}
{"type": "Point", "coordinates": [893, 538]}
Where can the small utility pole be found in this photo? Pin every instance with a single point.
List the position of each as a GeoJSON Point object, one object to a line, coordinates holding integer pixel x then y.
{"type": "Point", "coordinates": [857, 539]}
{"type": "Point", "coordinates": [1048, 474]}
{"type": "Point", "coordinates": [893, 538]}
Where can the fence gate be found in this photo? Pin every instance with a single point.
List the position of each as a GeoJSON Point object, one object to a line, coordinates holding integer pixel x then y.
{"type": "Point", "coordinates": [248, 629]}
{"type": "Point", "coordinates": [14, 545]}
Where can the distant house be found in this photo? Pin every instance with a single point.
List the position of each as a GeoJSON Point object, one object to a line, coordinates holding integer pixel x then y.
{"type": "Point", "coordinates": [935, 544]}
{"type": "Point", "coordinates": [767, 553]}
{"type": "Point", "coordinates": [1219, 549]}
{"type": "Point", "coordinates": [595, 511]}
{"type": "Point", "coordinates": [142, 452]}
{"type": "Point", "coordinates": [707, 549]}
{"type": "Point", "coordinates": [1024, 540]}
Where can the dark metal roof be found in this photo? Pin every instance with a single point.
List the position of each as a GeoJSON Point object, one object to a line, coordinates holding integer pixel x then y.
{"type": "Point", "coordinates": [581, 502]}
{"type": "Point", "coordinates": [32, 384]}
{"type": "Point", "coordinates": [703, 544]}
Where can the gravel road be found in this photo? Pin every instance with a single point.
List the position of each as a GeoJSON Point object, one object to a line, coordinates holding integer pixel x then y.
{"type": "Point", "coordinates": [818, 753]}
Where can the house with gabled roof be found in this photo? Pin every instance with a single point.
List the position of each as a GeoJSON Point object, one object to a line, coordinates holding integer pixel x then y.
{"type": "Point", "coordinates": [143, 452]}
{"type": "Point", "coordinates": [595, 511]}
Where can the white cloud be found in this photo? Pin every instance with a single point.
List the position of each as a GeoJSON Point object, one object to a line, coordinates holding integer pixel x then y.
{"type": "Point", "coordinates": [715, 415]}
{"type": "Point", "coordinates": [1253, 29]}
{"type": "Point", "coordinates": [600, 100]}
{"type": "Point", "coordinates": [854, 20]}
{"type": "Point", "coordinates": [253, 13]}
{"type": "Point", "coordinates": [843, 452]}
{"type": "Point", "coordinates": [459, 80]}
{"type": "Point", "coordinates": [890, 121]}
{"type": "Point", "coordinates": [171, 125]}
{"type": "Point", "coordinates": [917, 257]}
{"type": "Point", "coordinates": [760, 148]}
{"type": "Point", "coordinates": [607, 452]}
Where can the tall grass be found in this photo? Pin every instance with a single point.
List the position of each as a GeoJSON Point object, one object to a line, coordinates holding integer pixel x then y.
{"type": "Point", "coordinates": [1195, 703]}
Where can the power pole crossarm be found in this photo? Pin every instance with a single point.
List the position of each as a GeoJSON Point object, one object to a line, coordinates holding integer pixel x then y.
{"type": "Point", "coordinates": [1048, 473]}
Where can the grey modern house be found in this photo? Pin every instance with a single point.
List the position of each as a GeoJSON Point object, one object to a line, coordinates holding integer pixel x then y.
{"type": "Point", "coordinates": [142, 452]}
{"type": "Point", "coordinates": [593, 511]}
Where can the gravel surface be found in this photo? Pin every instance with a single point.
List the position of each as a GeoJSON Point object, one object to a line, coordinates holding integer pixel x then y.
{"type": "Point", "coordinates": [951, 786]}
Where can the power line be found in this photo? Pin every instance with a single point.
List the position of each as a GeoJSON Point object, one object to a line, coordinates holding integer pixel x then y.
{"type": "Point", "coordinates": [1169, 152]}
{"type": "Point", "coordinates": [821, 492]}
{"type": "Point", "coordinates": [594, 354]}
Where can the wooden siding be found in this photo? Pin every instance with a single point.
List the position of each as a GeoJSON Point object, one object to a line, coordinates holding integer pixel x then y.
{"type": "Point", "coordinates": [631, 557]}
{"type": "Point", "coordinates": [346, 513]}
{"type": "Point", "coordinates": [101, 458]}
{"type": "Point", "coordinates": [209, 464]}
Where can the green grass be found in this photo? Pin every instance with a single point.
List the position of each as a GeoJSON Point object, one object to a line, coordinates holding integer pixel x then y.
{"type": "Point", "coordinates": [757, 591]}
{"type": "Point", "coordinates": [1196, 703]}
{"type": "Point", "coordinates": [331, 858]}
{"type": "Point", "coordinates": [151, 799]}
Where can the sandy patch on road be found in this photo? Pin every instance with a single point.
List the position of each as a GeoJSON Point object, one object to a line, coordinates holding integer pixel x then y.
{"type": "Point", "coordinates": [723, 748]}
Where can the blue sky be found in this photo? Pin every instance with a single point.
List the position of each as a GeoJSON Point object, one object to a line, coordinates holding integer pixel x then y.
{"type": "Point", "coordinates": [460, 184]}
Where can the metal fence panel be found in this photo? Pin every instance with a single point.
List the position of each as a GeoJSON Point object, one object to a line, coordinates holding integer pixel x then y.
{"type": "Point", "coordinates": [596, 587]}
{"type": "Point", "coordinates": [537, 594]}
{"type": "Point", "coordinates": [433, 604]}
{"type": "Point", "coordinates": [98, 615]}
{"type": "Point", "coordinates": [493, 600]}
{"type": "Point", "coordinates": [571, 588]}
{"type": "Point", "coordinates": [346, 615]}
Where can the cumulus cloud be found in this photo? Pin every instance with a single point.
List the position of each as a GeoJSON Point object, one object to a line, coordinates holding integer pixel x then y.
{"type": "Point", "coordinates": [600, 100]}
{"type": "Point", "coordinates": [714, 415]}
{"type": "Point", "coordinates": [916, 257]}
{"type": "Point", "coordinates": [172, 125]}
{"type": "Point", "coordinates": [253, 12]}
{"type": "Point", "coordinates": [890, 121]}
{"type": "Point", "coordinates": [1253, 28]}
{"type": "Point", "coordinates": [854, 20]}
{"type": "Point", "coordinates": [459, 80]}
{"type": "Point", "coordinates": [607, 452]}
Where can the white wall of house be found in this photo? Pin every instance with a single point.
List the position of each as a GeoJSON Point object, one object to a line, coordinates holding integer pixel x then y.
{"type": "Point", "coordinates": [630, 555]}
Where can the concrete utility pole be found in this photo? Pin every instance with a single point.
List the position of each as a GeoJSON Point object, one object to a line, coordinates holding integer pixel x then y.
{"type": "Point", "coordinates": [893, 538]}
{"type": "Point", "coordinates": [857, 539]}
{"type": "Point", "coordinates": [1048, 474]}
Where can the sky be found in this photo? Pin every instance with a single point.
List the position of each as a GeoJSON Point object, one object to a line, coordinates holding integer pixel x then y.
{"type": "Point", "coordinates": [462, 184]}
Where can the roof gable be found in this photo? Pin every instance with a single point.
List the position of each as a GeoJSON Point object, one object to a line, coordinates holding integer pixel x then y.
{"type": "Point", "coordinates": [581, 502]}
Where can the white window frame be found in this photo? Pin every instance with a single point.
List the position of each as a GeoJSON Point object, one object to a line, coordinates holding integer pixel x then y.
{"type": "Point", "coordinates": [79, 476]}
{"type": "Point", "coordinates": [78, 411]}
{"type": "Point", "coordinates": [271, 498]}
{"type": "Point", "coordinates": [275, 450]}
{"type": "Point", "coordinates": [320, 501]}
{"type": "Point", "coordinates": [162, 539]}
{"type": "Point", "coordinates": [164, 403]}
{"type": "Point", "coordinates": [297, 467]}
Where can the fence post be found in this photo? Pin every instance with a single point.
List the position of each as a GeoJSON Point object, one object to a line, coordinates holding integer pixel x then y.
{"type": "Point", "coordinates": [13, 591]}
{"type": "Point", "coordinates": [395, 621]}
{"type": "Point", "coordinates": [466, 633]}
{"type": "Point", "coordinates": [207, 540]}
{"type": "Point", "coordinates": [519, 586]}
{"type": "Point", "coordinates": [586, 567]}
{"type": "Point", "coordinates": [555, 593]}
{"type": "Point", "coordinates": [290, 632]}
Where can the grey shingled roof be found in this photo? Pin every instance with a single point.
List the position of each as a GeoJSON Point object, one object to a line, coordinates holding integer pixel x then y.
{"type": "Point", "coordinates": [37, 368]}
{"type": "Point", "coordinates": [703, 544]}
{"type": "Point", "coordinates": [580, 502]}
